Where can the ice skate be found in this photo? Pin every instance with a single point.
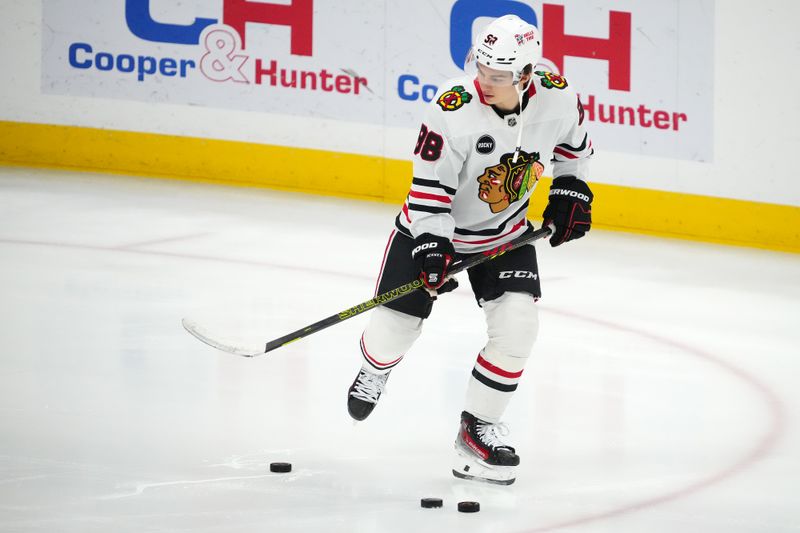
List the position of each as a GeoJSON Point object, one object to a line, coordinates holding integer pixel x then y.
{"type": "Point", "coordinates": [364, 393]}
{"type": "Point", "coordinates": [481, 455]}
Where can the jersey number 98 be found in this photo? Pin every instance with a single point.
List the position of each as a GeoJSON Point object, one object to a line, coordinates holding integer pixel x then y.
{"type": "Point", "coordinates": [429, 144]}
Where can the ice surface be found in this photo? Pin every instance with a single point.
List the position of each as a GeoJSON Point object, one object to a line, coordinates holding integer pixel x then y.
{"type": "Point", "coordinates": [662, 396]}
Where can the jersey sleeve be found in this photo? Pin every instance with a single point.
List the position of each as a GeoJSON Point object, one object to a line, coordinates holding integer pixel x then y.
{"type": "Point", "coordinates": [437, 164]}
{"type": "Point", "coordinates": [574, 149]}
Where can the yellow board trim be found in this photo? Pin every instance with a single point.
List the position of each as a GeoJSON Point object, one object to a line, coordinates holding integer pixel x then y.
{"type": "Point", "coordinates": [685, 216]}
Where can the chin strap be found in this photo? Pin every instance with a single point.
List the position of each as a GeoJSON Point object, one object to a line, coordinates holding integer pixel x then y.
{"type": "Point", "coordinates": [521, 123]}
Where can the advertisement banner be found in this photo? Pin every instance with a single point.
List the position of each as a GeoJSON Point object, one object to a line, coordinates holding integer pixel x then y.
{"type": "Point", "coordinates": [643, 69]}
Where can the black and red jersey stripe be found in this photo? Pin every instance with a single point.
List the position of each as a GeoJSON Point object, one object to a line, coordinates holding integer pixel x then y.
{"type": "Point", "coordinates": [573, 152]}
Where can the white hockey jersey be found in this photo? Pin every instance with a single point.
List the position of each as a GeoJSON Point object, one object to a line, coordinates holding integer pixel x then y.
{"type": "Point", "coordinates": [465, 186]}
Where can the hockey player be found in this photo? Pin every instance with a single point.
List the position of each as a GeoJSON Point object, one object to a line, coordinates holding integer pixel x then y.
{"type": "Point", "coordinates": [480, 152]}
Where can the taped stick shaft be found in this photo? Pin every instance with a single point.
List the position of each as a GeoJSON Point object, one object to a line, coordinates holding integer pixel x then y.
{"type": "Point", "coordinates": [403, 290]}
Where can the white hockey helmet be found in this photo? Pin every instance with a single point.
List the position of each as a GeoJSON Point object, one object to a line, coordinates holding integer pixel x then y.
{"type": "Point", "coordinates": [508, 44]}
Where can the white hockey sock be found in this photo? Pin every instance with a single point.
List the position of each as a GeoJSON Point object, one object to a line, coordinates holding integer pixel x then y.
{"type": "Point", "coordinates": [512, 324]}
{"type": "Point", "coordinates": [387, 338]}
{"type": "Point", "coordinates": [491, 386]}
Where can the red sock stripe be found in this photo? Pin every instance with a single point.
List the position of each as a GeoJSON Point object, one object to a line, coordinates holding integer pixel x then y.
{"type": "Point", "coordinates": [496, 369]}
{"type": "Point", "coordinates": [373, 361]}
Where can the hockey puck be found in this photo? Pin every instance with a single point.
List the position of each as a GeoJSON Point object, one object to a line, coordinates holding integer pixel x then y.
{"type": "Point", "coordinates": [430, 503]}
{"type": "Point", "coordinates": [469, 507]}
{"type": "Point", "coordinates": [280, 467]}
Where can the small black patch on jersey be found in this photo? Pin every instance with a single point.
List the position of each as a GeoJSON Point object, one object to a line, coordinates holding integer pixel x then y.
{"type": "Point", "coordinates": [512, 122]}
{"type": "Point", "coordinates": [485, 145]}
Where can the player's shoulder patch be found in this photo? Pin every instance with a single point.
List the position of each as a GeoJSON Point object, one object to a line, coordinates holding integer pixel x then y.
{"type": "Point", "coordinates": [454, 98]}
{"type": "Point", "coordinates": [549, 80]}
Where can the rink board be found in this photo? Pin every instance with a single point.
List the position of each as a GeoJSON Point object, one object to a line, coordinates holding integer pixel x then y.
{"type": "Point", "coordinates": [689, 216]}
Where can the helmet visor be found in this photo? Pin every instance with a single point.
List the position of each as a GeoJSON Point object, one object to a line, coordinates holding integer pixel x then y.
{"type": "Point", "coordinates": [487, 76]}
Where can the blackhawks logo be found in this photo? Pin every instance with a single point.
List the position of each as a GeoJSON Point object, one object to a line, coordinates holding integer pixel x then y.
{"type": "Point", "coordinates": [506, 182]}
{"type": "Point", "coordinates": [454, 99]}
{"type": "Point", "coordinates": [550, 80]}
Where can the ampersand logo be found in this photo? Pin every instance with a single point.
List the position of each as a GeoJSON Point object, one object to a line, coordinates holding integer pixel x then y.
{"type": "Point", "coordinates": [221, 62]}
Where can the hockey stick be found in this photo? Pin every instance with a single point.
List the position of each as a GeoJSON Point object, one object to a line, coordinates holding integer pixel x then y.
{"type": "Point", "coordinates": [386, 297]}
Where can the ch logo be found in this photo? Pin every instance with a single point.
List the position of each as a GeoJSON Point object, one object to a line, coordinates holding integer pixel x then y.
{"type": "Point", "coordinates": [490, 39]}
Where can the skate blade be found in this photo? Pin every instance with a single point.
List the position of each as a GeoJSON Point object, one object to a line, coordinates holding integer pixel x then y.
{"type": "Point", "coordinates": [461, 475]}
{"type": "Point", "coordinates": [467, 466]}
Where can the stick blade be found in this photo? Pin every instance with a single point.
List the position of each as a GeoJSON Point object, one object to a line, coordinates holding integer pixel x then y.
{"type": "Point", "coordinates": [224, 345]}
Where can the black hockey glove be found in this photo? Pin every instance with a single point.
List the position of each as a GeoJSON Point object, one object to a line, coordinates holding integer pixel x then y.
{"type": "Point", "coordinates": [569, 209]}
{"type": "Point", "coordinates": [433, 255]}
